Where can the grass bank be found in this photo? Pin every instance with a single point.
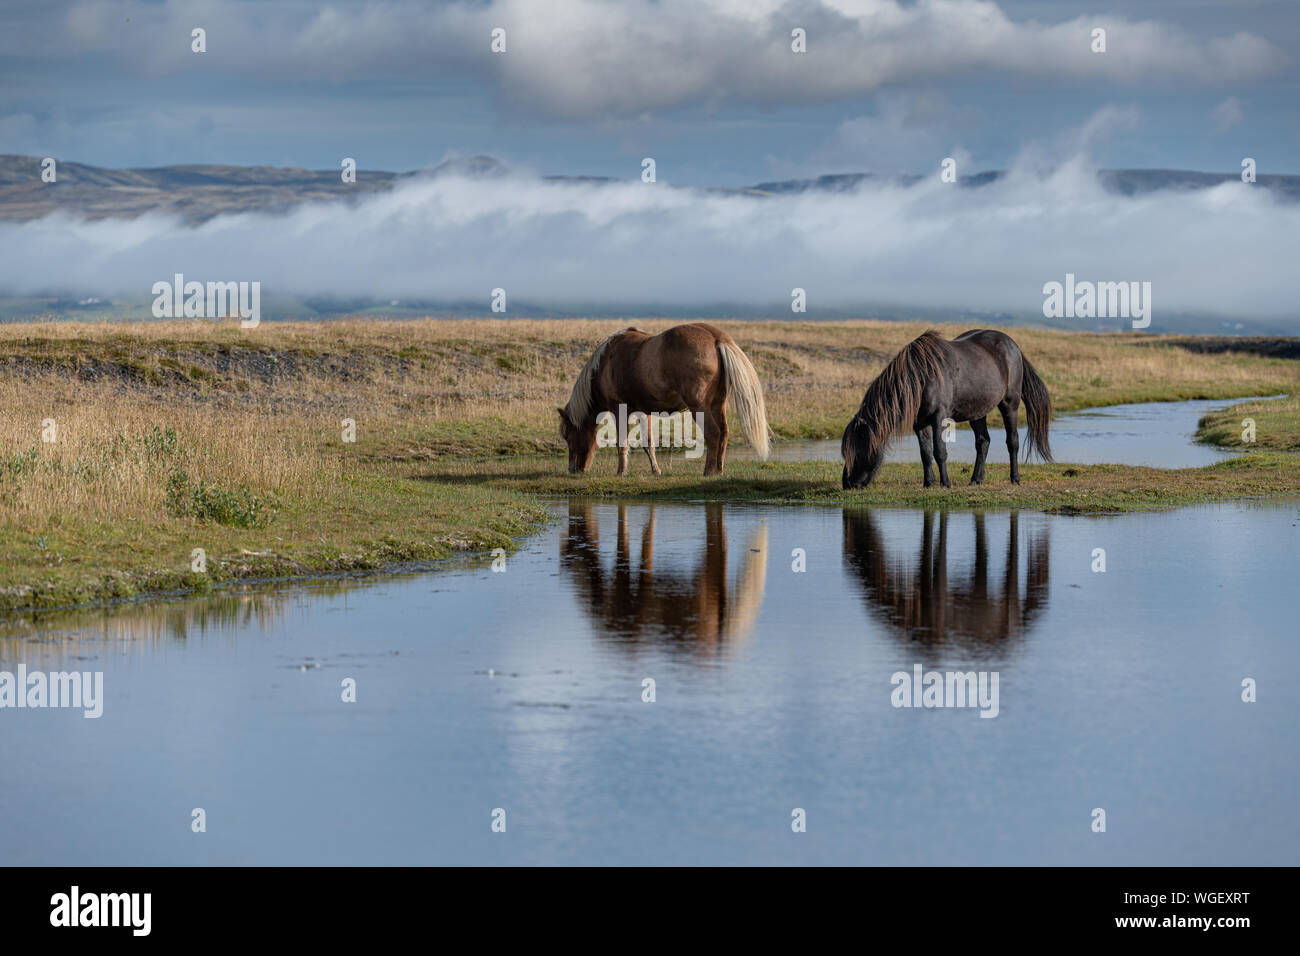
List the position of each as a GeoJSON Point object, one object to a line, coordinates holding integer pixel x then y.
{"type": "Point", "coordinates": [307, 448]}
{"type": "Point", "coordinates": [1272, 424]}
{"type": "Point", "coordinates": [1057, 488]}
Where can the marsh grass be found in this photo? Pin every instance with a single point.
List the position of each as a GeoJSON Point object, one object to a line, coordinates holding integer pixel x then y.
{"type": "Point", "coordinates": [1277, 425]}
{"type": "Point", "coordinates": [135, 480]}
{"type": "Point", "coordinates": [179, 435]}
{"type": "Point", "coordinates": [462, 387]}
{"type": "Point", "coordinates": [1057, 487]}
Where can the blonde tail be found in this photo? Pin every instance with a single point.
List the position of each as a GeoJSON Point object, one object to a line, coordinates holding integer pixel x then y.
{"type": "Point", "coordinates": [751, 581]}
{"type": "Point", "coordinates": [743, 386]}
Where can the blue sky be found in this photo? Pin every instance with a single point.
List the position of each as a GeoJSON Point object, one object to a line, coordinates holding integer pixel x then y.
{"type": "Point", "coordinates": [707, 87]}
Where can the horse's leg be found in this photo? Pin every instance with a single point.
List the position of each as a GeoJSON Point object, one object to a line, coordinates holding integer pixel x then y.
{"type": "Point", "coordinates": [922, 433]}
{"type": "Point", "coordinates": [710, 442]}
{"type": "Point", "coordinates": [715, 438]}
{"type": "Point", "coordinates": [940, 449]}
{"type": "Point", "coordinates": [650, 453]}
{"type": "Point", "coordinates": [980, 427]}
{"type": "Point", "coordinates": [1010, 421]}
{"type": "Point", "coordinates": [648, 551]}
{"type": "Point", "coordinates": [622, 458]}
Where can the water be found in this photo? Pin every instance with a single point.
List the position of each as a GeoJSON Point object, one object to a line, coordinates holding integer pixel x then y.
{"type": "Point", "coordinates": [1158, 434]}
{"type": "Point", "coordinates": [523, 690]}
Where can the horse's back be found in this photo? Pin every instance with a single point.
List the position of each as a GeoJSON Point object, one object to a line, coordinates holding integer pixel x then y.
{"type": "Point", "coordinates": [998, 347]}
{"type": "Point", "coordinates": [989, 338]}
{"type": "Point", "coordinates": [692, 345]}
{"type": "Point", "coordinates": [1002, 346]}
{"type": "Point", "coordinates": [689, 337]}
{"type": "Point", "coordinates": [676, 368]}
{"type": "Point", "coordinates": [694, 335]}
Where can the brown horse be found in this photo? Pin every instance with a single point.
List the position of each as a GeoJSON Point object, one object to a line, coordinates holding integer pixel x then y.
{"type": "Point", "coordinates": [933, 379]}
{"type": "Point", "coordinates": [633, 602]}
{"type": "Point", "coordinates": [689, 367]}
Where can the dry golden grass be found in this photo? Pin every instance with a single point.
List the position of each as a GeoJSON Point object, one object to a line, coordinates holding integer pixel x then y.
{"type": "Point", "coordinates": [510, 374]}
{"type": "Point", "coordinates": [107, 459]}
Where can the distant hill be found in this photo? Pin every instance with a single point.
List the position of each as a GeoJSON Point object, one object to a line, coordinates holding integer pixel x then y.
{"type": "Point", "coordinates": [1126, 182]}
{"type": "Point", "coordinates": [195, 193]}
{"type": "Point", "coordinates": [198, 193]}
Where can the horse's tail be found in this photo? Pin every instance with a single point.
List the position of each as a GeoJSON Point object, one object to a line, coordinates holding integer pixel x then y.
{"type": "Point", "coordinates": [743, 385]}
{"type": "Point", "coordinates": [1038, 409]}
{"type": "Point", "coordinates": [751, 581]}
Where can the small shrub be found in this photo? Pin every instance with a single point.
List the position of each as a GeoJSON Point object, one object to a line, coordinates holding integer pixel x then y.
{"type": "Point", "coordinates": [160, 443]}
{"type": "Point", "coordinates": [20, 464]}
{"type": "Point", "coordinates": [237, 508]}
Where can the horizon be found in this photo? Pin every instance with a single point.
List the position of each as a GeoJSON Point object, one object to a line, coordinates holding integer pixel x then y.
{"type": "Point", "coordinates": [459, 157]}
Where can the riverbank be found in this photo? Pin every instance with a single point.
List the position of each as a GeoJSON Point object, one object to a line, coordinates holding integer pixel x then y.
{"type": "Point", "coordinates": [1057, 488]}
{"type": "Point", "coordinates": [311, 448]}
{"type": "Point", "coordinates": [1272, 424]}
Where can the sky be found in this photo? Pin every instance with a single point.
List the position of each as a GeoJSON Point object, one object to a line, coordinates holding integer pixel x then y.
{"type": "Point", "coordinates": [710, 88]}
{"type": "Point", "coordinates": [714, 93]}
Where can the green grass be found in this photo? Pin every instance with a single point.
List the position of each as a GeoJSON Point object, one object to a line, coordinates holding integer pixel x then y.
{"type": "Point", "coordinates": [373, 522]}
{"type": "Point", "coordinates": [1277, 425]}
{"type": "Point", "coordinates": [417, 512]}
{"type": "Point", "coordinates": [1062, 488]}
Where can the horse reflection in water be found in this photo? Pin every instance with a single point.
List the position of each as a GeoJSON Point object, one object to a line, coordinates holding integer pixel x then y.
{"type": "Point", "coordinates": [926, 603]}
{"type": "Point", "coordinates": [641, 605]}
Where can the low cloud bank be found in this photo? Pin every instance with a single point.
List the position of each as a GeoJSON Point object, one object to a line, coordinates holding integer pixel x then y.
{"type": "Point", "coordinates": [1227, 250]}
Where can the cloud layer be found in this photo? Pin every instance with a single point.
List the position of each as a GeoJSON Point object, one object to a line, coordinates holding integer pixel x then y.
{"type": "Point", "coordinates": [1226, 250]}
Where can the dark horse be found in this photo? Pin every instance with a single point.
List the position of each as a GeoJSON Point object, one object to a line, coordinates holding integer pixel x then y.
{"type": "Point", "coordinates": [934, 379]}
{"type": "Point", "coordinates": [689, 367]}
{"type": "Point", "coordinates": [928, 601]}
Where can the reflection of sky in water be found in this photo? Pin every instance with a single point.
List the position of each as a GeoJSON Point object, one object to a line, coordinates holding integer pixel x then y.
{"type": "Point", "coordinates": [1118, 690]}
{"type": "Point", "coordinates": [1158, 434]}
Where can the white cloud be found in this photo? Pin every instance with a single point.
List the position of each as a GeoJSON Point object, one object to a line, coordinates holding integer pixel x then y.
{"type": "Point", "coordinates": [1227, 114]}
{"type": "Point", "coordinates": [1224, 250]}
{"type": "Point", "coordinates": [580, 59]}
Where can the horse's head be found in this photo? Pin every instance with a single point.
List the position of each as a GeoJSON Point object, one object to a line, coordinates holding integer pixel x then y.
{"type": "Point", "coordinates": [861, 460]}
{"type": "Point", "coordinates": [581, 442]}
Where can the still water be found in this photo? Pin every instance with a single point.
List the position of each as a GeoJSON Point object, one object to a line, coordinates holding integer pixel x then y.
{"type": "Point", "coordinates": [1158, 434]}
{"type": "Point", "coordinates": [523, 690]}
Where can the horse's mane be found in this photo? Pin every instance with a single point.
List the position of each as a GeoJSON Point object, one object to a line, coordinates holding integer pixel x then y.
{"type": "Point", "coordinates": [579, 405]}
{"type": "Point", "coordinates": [893, 399]}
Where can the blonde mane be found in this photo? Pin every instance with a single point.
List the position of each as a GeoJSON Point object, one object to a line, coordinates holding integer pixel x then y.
{"type": "Point", "coordinates": [579, 405]}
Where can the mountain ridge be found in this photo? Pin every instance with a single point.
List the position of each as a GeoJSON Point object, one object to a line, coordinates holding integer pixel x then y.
{"type": "Point", "coordinates": [199, 192]}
